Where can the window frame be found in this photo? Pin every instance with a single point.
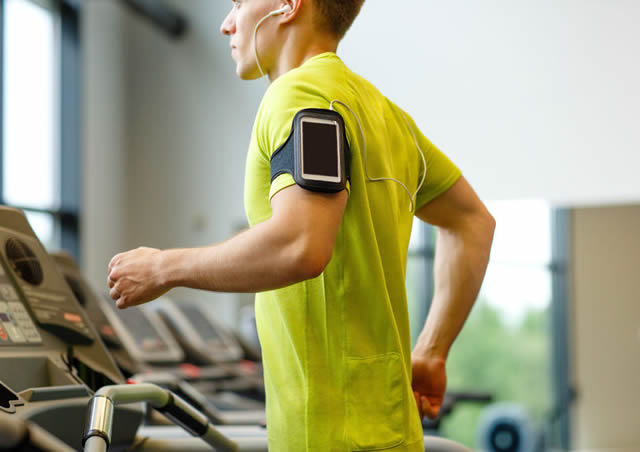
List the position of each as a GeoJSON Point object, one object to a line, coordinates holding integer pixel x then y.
{"type": "Point", "coordinates": [67, 215]}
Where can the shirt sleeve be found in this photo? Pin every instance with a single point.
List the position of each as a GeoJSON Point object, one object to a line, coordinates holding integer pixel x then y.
{"type": "Point", "coordinates": [442, 173]}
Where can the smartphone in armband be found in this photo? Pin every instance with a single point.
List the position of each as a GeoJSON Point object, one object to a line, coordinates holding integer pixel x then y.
{"type": "Point", "coordinates": [316, 153]}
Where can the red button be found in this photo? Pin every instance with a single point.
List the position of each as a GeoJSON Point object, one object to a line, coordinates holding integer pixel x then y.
{"type": "Point", "coordinates": [107, 331]}
{"type": "Point", "coordinates": [191, 371]}
{"type": "Point", "coordinates": [75, 318]}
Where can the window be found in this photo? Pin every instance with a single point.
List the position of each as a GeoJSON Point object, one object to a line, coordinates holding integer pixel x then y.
{"type": "Point", "coordinates": [39, 153]}
{"type": "Point", "coordinates": [508, 345]}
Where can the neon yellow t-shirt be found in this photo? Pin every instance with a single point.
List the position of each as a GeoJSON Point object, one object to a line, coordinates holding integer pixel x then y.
{"type": "Point", "coordinates": [336, 348]}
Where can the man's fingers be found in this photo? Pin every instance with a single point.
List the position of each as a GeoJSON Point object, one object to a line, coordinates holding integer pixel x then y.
{"type": "Point", "coordinates": [112, 262]}
{"type": "Point", "coordinates": [113, 293]}
{"type": "Point", "coordinates": [431, 411]}
{"type": "Point", "coordinates": [426, 407]}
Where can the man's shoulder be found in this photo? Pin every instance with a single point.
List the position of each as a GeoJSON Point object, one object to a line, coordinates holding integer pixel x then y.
{"type": "Point", "coordinates": [316, 78]}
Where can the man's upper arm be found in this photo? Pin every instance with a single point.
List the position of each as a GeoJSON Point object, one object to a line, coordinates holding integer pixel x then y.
{"type": "Point", "coordinates": [453, 206]}
{"type": "Point", "coordinates": [311, 219]}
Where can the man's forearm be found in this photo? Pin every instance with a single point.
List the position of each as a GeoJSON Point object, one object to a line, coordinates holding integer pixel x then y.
{"type": "Point", "coordinates": [462, 255]}
{"type": "Point", "coordinates": [261, 258]}
{"type": "Point", "coordinates": [294, 245]}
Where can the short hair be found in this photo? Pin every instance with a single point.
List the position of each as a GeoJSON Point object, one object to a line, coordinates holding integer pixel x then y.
{"type": "Point", "coordinates": [336, 16]}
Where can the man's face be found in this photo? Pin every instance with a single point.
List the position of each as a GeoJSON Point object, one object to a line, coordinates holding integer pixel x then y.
{"type": "Point", "coordinates": [239, 25]}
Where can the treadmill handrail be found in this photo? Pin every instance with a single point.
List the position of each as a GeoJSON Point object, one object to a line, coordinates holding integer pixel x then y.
{"type": "Point", "coordinates": [101, 406]}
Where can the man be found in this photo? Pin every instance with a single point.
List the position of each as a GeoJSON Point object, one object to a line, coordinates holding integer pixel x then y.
{"type": "Point", "coordinates": [329, 267]}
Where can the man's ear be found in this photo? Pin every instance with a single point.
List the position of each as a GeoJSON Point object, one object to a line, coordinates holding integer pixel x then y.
{"type": "Point", "coordinates": [295, 11]}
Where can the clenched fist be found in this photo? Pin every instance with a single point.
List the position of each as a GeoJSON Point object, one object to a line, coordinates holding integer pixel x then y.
{"type": "Point", "coordinates": [136, 277]}
{"type": "Point", "coordinates": [429, 381]}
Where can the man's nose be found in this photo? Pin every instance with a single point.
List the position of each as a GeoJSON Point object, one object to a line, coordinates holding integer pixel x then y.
{"type": "Point", "coordinates": [228, 25]}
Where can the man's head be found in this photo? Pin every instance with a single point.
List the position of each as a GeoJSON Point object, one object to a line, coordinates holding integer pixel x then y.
{"type": "Point", "coordinates": [303, 26]}
{"type": "Point", "coordinates": [336, 16]}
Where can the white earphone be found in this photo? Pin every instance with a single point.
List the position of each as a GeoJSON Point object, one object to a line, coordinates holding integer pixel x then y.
{"type": "Point", "coordinates": [285, 9]}
{"type": "Point", "coordinates": [276, 12]}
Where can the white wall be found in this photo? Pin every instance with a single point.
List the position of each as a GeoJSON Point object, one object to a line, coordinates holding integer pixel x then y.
{"type": "Point", "coordinates": [606, 327]}
{"type": "Point", "coordinates": [532, 98]}
{"type": "Point", "coordinates": [105, 151]}
{"type": "Point", "coordinates": [190, 120]}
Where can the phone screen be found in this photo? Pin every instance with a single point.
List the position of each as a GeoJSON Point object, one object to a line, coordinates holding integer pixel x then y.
{"type": "Point", "coordinates": [320, 149]}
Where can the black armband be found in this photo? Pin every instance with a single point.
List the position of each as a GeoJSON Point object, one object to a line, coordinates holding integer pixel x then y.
{"type": "Point", "coordinates": [316, 152]}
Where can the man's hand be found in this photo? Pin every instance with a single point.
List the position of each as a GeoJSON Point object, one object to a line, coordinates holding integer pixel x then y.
{"type": "Point", "coordinates": [429, 381]}
{"type": "Point", "coordinates": [134, 277]}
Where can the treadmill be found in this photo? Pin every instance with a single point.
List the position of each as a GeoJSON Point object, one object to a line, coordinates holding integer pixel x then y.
{"type": "Point", "coordinates": [51, 357]}
{"type": "Point", "coordinates": [208, 343]}
{"type": "Point", "coordinates": [56, 373]}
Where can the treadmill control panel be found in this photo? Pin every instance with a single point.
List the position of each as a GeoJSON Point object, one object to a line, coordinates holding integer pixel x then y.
{"type": "Point", "coordinates": [86, 297]}
{"type": "Point", "coordinates": [145, 334]}
{"type": "Point", "coordinates": [200, 323]}
{"type": "Point", "coordinates": [55, 313]}
{"type": "Point", "coordinates": [200, 335]}
{"type": "Point", "coordinates": [49, 300]}
{"type": "Point", "coordinates": [16, 325]}
{"type": "Point", "coordinates": [142, 333]}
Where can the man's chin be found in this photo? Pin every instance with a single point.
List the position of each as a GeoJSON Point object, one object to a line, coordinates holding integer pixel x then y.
{"type": "Point", "coordinates": [248, 73]}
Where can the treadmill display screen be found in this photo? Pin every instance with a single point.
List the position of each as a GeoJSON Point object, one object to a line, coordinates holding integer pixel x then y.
{"type": "Point", "coordinates": [201, 325]}
{"type": "Point", "coordinates": [142, 330]}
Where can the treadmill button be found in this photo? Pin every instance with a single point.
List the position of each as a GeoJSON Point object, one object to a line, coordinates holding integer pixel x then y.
{"type": "Point", "coordinates": [33, 336]}
{"type": "Point", "coordinates": [16, 306]}
{"type": "Point", "coordinates": [14, 333]}
{"type": "Point", "coordinates": [107, 330]}
{"type": "Point", "coordinates": [74, 318]}
{"type": "Point", "coordinates": [8, 292]}
{"type": "Point", "coordinates": [3, 335]}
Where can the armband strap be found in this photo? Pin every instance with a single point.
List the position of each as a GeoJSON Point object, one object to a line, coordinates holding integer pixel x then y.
{"type": "Point", "coordinates": [287, 158]}
{"type": "Point", "coordinates": [282, 158]}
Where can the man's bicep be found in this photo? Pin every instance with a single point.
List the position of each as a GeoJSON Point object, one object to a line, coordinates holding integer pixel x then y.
{"type": "Point", "coordinates": [315, 215]}
{"type": "Point", "coordinates": [452, 206]}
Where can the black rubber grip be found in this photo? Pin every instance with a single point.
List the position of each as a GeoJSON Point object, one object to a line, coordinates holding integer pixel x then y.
{"type": "Point", "coordinates": [185, 415]}
{"type": "Point", "coordinates": [472, 396]}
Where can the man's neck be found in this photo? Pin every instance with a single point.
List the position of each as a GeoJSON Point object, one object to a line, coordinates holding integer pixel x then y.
{"type": "Point", "coordinates": [293, 54]}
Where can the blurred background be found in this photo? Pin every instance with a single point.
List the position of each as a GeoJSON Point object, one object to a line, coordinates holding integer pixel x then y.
{"type": "Point", "coordinates": [124, 124]}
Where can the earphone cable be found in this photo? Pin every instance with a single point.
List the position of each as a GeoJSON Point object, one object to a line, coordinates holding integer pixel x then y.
{"type": "Point", "coordinates": [364, 151]}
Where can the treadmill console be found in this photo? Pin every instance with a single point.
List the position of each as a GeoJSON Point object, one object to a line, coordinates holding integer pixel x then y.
{"type": "Point", "coordinates": [86, 297]}
{"type": "Point", "coordinates": [51, 357]}
{"type": "Point", "coordinates": [16, 324]}
{"type": "Point", "coordinates": [205, 341]}
{"type": "Point", "coordinates": [143, 334]}
{"type": "Point", "coordinates": [49, 302]}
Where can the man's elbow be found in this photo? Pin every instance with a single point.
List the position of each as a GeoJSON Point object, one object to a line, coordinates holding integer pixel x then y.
{"type": "Point", "coordinates": [489, 225]}
{"type": "Point", "coordinates": [311, 261]}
